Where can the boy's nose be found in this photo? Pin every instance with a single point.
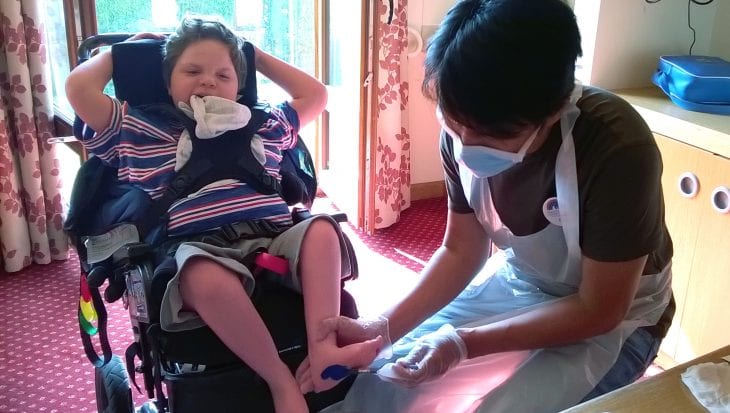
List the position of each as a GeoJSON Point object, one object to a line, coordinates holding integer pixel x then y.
{"type": "Point", "coordinates": [208, 80]}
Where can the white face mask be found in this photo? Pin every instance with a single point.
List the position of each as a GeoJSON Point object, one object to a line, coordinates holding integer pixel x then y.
{"type": "Point", "coordinates": [482, 161]}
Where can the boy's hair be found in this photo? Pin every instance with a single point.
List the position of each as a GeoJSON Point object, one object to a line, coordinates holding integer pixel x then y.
{"type": "Point", "coordinates": [495, 66]}
{"type": "Point", "coordinates": [193, 28]}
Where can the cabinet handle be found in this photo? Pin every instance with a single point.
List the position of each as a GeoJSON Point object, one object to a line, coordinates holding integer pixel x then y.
{"type": "Point", "coordinates": [721, 199]}
{"type": "Point", "coordinates": [688, 185]}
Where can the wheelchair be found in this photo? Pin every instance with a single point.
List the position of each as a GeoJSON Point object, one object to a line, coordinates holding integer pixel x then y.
{"type": "Point", "coordinates": [182, 372]}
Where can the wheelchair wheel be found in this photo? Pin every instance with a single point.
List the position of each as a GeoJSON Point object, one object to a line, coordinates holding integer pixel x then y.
{"type": "Point", "coordinates": [113, 394]}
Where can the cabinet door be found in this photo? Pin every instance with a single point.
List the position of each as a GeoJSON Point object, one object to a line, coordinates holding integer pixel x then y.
{"type": "Point", "coordinates": [706, 320]}
{"type": "Point", "coordinates": [682, 215]}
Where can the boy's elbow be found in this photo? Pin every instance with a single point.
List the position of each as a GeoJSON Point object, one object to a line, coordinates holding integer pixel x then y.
{"type": "Point", "coordinates": [322, 95]}
{"type": "Point", "coordinates": [75, 88]}
{"type": "Point", "coordinates": [71, 87]}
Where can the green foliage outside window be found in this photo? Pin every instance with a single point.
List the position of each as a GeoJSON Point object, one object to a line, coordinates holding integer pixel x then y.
{"type": "Point", "coordinates": [286, 28]}
{"type": "Point", "coordinates": [136, 15]}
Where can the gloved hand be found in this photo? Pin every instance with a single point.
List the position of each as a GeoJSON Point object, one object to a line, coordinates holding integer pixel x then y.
{"type": "Point", "coordinates": [431, 357]}
{"type": "Point", "coordinates": [351, 331]}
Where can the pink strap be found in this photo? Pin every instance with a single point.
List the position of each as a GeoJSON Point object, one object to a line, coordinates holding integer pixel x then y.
{"type": "Point", "coordinates": [272, 263]}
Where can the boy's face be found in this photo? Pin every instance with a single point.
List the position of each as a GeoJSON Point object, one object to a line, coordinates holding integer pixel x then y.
{"type": "Point", "coordinates": [204, 69]}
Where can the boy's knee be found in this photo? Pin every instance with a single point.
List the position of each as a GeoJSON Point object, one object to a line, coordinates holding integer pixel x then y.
{"type": "Point", "coordinates": [321, 230]}
{"type": "Point", "coordinates": [201, 279]}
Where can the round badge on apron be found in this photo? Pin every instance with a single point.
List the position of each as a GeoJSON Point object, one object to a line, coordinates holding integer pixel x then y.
{"type": "Point", "coordinates": [551, 211]}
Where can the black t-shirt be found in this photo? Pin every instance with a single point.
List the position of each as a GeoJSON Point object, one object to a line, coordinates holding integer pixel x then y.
{"type": "Point", "coordinates": [619, 186]}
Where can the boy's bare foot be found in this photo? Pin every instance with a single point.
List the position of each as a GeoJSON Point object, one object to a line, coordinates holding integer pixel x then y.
{"type": "Point", "coordinates": [325, 353]}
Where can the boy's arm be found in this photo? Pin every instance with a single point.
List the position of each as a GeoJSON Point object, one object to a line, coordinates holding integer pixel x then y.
{"type": "Point", "coordinates": [85, 91]}
{"type": "Point", "coordinates": [309, 95]}
{"type": "Point", "coordinates": [85, 87]}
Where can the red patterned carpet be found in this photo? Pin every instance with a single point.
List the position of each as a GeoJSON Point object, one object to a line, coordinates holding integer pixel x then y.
{"type": "Point", "coordinates": [42, 364]}
{"type": "Point", "coordinates": [44, 368]}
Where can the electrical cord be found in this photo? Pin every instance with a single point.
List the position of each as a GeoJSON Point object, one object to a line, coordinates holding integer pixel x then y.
{"type": "Point", "coordinates": [697, 2]}
{"type": "Point", "coordinates": [689, 24]}
{"type": "Point", "coordinates": [689, 17]}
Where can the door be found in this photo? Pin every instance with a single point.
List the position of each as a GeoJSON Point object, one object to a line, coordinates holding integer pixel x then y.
{"type": "Point", "coordinates": [700, 235]}
{"type": "Point", "coordinates": [706, 319]}
{"type": "Point", "coordinates": [345, 72]}
{"type": "Point", "coordinates": [682, 215]}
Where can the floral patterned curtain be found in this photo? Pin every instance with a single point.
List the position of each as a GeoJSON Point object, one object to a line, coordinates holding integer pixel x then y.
{"type": "Point", "coordinates": [392, 160]}
{"type": "Point", "coordinates": [30, 199]}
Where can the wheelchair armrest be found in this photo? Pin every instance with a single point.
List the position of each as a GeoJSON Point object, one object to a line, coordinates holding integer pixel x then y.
{"type": "Point", "coordinates": [132, 251]}
{"type": "Point", "coordinates": [126, 254]}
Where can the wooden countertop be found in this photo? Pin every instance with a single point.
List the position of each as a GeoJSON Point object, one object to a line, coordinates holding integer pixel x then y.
{"type": "Point", "coordinates": [663, 393]}
{"type": "Point", "coordinates": [703, 130]}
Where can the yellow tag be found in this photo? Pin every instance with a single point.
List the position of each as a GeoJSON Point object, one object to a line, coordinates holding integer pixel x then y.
{"type": "Point", "coordinates": [87, 309]}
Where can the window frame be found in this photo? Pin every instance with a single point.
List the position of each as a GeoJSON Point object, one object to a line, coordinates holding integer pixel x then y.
{"type": "Point", "coordinates": [77, 14]}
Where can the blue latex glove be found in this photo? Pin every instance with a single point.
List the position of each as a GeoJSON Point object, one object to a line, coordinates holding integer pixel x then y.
{"type": "Point", "coordinates": [432, 356]}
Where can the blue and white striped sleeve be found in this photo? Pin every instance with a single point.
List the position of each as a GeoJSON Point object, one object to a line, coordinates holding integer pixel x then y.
{"type": "Point", "coordinates": [104, 144]}
{"type": "Point", "coordinates": [283, 125]}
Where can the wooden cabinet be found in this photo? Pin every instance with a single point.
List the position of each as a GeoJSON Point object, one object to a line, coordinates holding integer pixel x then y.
{"type": "Point", "coordinates": [700, 230]}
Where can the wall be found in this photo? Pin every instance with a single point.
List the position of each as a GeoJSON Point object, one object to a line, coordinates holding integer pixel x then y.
{"type": "Point", "coordinates": [721, 34]}
{"type": "Point", "coordinates": [622, 39]}
{"type": "Point", "coordinates": [423, 16]}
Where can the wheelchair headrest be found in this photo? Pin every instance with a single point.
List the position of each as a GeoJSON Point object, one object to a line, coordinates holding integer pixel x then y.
{"type": "Point", "coordinates": [138, 73]}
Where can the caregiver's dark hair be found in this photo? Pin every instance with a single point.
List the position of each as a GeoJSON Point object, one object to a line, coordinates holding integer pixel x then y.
{"type": "Point", "coordinates": [193, 28]}
{"type": "Point", "coordinates": [495, 66]}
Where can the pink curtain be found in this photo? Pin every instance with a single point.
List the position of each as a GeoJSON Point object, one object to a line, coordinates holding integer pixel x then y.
{"type": "Point", "coordinates": [30, 200]}
{"type": "Point", "coordinates": [392, 160]}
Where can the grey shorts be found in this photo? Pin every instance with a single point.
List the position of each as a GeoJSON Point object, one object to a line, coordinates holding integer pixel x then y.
{"type": "Point", "coordinates": [287, 244]}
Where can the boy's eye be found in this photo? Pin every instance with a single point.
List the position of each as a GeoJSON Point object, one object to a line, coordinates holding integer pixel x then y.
{"type": "Point", "coordinates": [226, 77]}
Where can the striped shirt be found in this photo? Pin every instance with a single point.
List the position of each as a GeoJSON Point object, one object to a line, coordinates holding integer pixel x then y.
{"type": "Point", "coordinates": [142, 146]}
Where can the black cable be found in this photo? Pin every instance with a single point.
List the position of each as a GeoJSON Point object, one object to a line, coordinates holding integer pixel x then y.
{"type": "Point", "coordinates": [697, 2]}
{"type": "Point", "coordinates": [689, 24]}
{"type": "Point", "coordinates": [689, 17]}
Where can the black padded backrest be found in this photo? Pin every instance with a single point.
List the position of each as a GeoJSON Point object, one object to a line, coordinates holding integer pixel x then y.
{"type": "Point", "coordinates": [138, 73]}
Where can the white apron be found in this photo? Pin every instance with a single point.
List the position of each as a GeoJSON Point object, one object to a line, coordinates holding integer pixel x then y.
{"type": "Point", "coordinates": [530, 271]}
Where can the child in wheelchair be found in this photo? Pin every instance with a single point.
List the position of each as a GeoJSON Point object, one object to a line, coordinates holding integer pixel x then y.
{"type": "Point", "coordinates": [203, 68]}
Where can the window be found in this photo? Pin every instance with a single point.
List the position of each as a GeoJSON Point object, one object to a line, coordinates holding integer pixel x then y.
{"type": "Point", "coordinates": [284, 28]}
{"type": "Point", "coordinates": [58, 55]}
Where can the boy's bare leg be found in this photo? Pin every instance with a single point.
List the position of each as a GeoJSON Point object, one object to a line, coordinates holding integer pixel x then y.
{"type": "Point", "coordinates": [319, 271]}
{"type": "Point", "coordinates": [218, 296]}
